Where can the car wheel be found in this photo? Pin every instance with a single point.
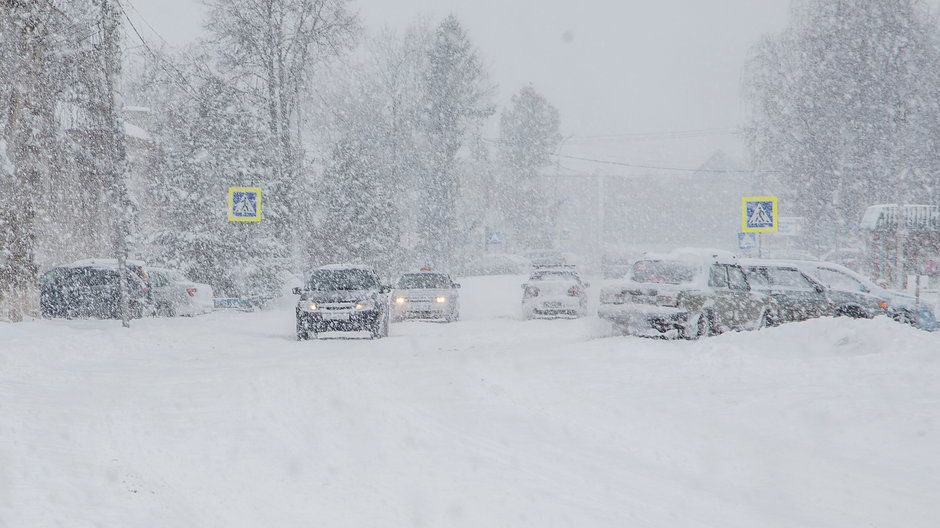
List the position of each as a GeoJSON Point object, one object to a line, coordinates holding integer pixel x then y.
{"type": "Point", "coordinates": [303, 333]}
{"type": "Point", "coordinates": [701, 328]}
{"type": "Point", "coordinates": [766, 320]}
{"type": "Point", "coordinates": [905, 317]}
{"type": "Point", "coordinates": [850, 311]}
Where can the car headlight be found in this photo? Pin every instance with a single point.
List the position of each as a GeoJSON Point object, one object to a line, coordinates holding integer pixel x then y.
{"type": "Point", "coordinates": [399, 300]}
{"type": "Point", "coordinates": [311, 306]}
{"type": "Point", "coordinates": [441, 299]}
{"type": "Point", "coordinates": [366, 304]}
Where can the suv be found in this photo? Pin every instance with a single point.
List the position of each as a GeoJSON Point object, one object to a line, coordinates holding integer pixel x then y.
{"type": "Point", "coordinates": [686, 294]}
{"type": "Point", "coordinates": [426, 294]}
{"type": "Point", "coordinates": [794, 295]}
{"type": "Point", "coordinates": [345, 298]}
{"type": "Point", "coordinates": [91, 288]}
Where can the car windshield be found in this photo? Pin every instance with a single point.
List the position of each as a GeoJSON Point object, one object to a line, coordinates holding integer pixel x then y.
{"type": "Point", "coordinates": [424, 280]}
{"type": "Point", "coordinates": [341, 279]}
{"type": "Point", "coordinates": [663, 271]}
{"type": "Point", "coordinates": [554, 276]}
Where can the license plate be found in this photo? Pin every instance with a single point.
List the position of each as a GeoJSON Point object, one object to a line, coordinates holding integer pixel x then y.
{"type": "Point", "coordinates": [335, 316]}
{"type": "Point", "coordinates": [552, 305]}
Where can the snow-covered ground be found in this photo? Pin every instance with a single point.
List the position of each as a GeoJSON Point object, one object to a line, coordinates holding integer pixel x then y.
{"type": "Point", "coordinates": [225, 420]}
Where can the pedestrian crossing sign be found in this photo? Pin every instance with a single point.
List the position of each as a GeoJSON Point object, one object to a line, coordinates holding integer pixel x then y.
{"type": "Point", "coordinates": [759, 214]}
{"type": "Point", "coordinates": [244, 204]}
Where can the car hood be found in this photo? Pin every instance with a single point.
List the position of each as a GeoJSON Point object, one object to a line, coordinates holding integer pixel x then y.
{"type": "Point", "coordinates": [338, 295]}
{"type": "Point", "coordinates": [422, 292]}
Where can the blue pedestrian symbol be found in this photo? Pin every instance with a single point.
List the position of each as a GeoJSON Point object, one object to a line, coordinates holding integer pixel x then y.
{"type": "Point", "coordinates": [759, 214]}
{"type": "Point", "coordinates": [244, 204]}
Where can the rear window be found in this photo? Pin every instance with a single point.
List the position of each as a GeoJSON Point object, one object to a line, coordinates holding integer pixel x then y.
{"type": "Point", "coordinates": [789, 278]}
{"type": "Point", "coordinates": [554, 276]}
{"type": "Point", "coordinates": [424, 280]}
{"type": "Point", "coordinates": [663, 271]}
{"type": "Point", "coordinates": [341, 279]}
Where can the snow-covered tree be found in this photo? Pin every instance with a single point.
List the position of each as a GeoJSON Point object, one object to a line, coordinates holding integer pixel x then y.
{"type": "Point", "coordinates": [270, 49]}
{"type": "Point", "coordinates": [841, 103]}
{"type": "Point", "coordinates": [456, 97]}
{"type": "Point", "coordinates": [529, 134]}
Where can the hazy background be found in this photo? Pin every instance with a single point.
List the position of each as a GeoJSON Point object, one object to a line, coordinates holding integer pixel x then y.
{"type": "Point", "coordinates": [646, 72]}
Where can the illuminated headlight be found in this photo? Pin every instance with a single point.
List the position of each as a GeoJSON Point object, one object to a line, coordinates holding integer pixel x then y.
{"type": "Point", "coordinates": [312, 307]}
{"type": "Point", "coordinates": [399, 300]}
{"type": "Point", "coordinates": [365, 305]}
{"type": "Point", "coordinates": [441, 299]}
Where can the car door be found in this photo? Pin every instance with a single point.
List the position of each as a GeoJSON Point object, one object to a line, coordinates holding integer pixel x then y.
{"type": "Point", "coordinates": [803, 297]}
{"type": "Point", "coordinates": [849, 295]}
{"type": "Point", "coordinates": [723, 300]}
{"type": "Point", "coordinates": [747, 306]}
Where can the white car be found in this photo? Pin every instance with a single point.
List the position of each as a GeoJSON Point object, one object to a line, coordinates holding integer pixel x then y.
{"type": "Point", "coordinates": [554, 292]}
{"type": "Point", "coordinates": [425, 294]}
{"type": "Point", "coordinates": [174, 294]}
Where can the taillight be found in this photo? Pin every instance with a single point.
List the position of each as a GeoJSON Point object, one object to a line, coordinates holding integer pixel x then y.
{"type": "Point", "coordinates": [574, 292]}
{"type": "Point", "coordinates": [191, 292]}
{"type": "Point", "coordinates": [531, 291]}
{"type": "Point", "coordinates": [667, 300]}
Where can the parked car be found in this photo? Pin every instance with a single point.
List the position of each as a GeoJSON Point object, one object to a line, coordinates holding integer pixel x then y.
{"type": "Point", "coordinates": [342, 297]}
{"type": "Point", "coordinates": [553, 292]}
{"type": "Point", "coordinates": [855, 295]}
{"type": "Point", "coordinates": [174, 294]}
{"type": "Point", "coordinates": [794, 295]}
{"type": "Point", "coordinates": [426, 294]}
{"type": "Point", "coordinates": [685, 293]}
{"type": "Point", "coordinates": [91, 288]}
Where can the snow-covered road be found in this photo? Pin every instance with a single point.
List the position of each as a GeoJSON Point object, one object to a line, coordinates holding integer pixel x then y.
{"type": "Point", "coordinates": [225, 420]}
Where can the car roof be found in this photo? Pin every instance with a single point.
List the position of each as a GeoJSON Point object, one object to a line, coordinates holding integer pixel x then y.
{"type": "Point", "coordinates": [331, 267]}
{"type": "Point", "coordinates": [767, 263]}
{"type": "Point", "coordinates": [697, 255]}
{"type": "Point", "coordinates": [103, 263]}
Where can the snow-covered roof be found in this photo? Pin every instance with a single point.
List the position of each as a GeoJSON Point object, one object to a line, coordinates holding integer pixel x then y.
{"type": "Point", "coordinates": [132, 130]}
{"type": "Point", "coordinates": [884, 217]}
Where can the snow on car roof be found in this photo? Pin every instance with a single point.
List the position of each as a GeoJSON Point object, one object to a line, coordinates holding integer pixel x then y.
{"type": "Point", "coordinates": [345, 267]}
{"type": "Point", "coordinates": [102, 263]}
{"type": "Point", "coordinates": [750, 262]}
{"type": "Point", "coordinates": [700, 255]}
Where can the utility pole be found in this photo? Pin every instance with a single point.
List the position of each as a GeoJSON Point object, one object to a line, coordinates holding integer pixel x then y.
{"type": "Point", "coordinates": [901, 232]}
{"type": "Point", "coordinates": [116, 148]}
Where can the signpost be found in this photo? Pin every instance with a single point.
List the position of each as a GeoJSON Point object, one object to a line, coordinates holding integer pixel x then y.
{"type": "Point", "coordinates": [494, 238]}
{"type": "Point", "coordinates": [759, 215]}
{"type": "Point", "coordinates": [244, 204]}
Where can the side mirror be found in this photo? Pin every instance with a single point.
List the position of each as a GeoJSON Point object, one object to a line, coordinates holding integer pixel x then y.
{"type": "Point", "coordinates": [819, 288]}
{"type": "Point", "coordinates": [296, 290]}
{"type": "Point", "coordinates": [457, 285]}
{"type": "Point", "coordinates": [863, 289]}
{"type": "Point", "coordinates": [386, 288]}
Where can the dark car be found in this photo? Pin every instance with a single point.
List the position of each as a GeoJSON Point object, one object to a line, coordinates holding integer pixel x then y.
{"type": "Point", "coordinates": [91, 288]}
{"type": "Point", "coordinates": [794, 295]}
{"type": "Point", "coordinates": [342, 298]}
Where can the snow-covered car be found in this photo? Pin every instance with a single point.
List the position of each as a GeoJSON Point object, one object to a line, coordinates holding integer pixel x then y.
{"type": "Point", "coordinates": [342, 297]}
{"type": "Point", "coordinates": [685, 293]}
{"type": "Point", "coordinates": [554, 292]}
{"type": "Point", "coordinates": [91, 288]}
{"type": "Point", "coordinates": [425, 294]}
{"type": "Point", "coordinates": [855, 295]}
{"type": "Point", "coordinates": [174, 294]}
{"type": "Point", "coordinates": [794, 295]}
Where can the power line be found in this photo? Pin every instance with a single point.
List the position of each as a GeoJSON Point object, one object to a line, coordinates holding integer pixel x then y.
{"type": "Point", "coordinates": [644, 136]}
{"type": "Point", "coordinates": [656, 167]}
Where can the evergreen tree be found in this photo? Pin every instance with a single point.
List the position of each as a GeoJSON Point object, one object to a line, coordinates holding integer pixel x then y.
{"type": "Point", "coordinates": [529, 134]}
{"type": "Point", "coordinates": [456, 97]}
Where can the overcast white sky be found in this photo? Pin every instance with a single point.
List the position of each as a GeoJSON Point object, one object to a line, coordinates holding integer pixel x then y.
{"type": "Point", "coordinates": [610, 66]}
